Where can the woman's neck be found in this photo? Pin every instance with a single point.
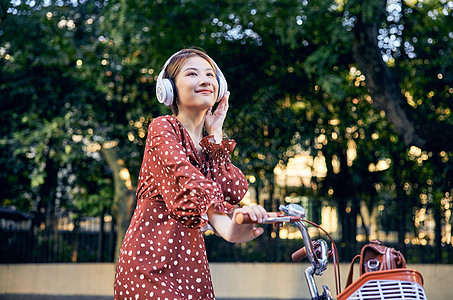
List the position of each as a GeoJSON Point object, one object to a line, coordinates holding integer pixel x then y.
{"type": "Point", "coordinates": [193, 123]}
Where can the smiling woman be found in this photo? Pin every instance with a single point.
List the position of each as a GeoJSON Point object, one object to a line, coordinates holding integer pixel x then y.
{"type": "Point", "coordinates": [166, 80]}
{"type": "Point", "coordinates": [197, 85]}
{"type": "Point", "coordinates": [187, 184]}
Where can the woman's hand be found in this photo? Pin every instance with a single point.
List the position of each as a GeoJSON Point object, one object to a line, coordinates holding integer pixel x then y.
{"type": "Point", "coordinates": [247, 232]}
{"type": "Point", "coordinates": [214, 120]}
{"type": "Point", "coordinates": [233, 232]}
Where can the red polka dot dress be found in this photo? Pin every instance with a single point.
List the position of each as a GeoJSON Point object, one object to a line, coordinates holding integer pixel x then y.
{"type": "Point", "coordinates": [163, 253]}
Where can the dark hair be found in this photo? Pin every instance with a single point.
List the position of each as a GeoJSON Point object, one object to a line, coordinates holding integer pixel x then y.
{"type": "Point", "coordinates": [174, 67]}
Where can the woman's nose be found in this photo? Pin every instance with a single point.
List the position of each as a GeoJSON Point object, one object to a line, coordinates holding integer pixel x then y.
{"type": "Point", "coordinates": [206, 81]}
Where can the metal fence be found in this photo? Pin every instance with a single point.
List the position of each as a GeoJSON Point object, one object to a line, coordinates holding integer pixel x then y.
{"type": "Point", "coordinates": [67, 241]}
{"type": "Point", "coordinates": [94, 240]}
{"type": "Point", "coordinates": [267, 249]}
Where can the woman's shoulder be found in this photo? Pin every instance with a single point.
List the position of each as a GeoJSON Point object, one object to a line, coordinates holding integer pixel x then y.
{"type": "Point", "coordinates": [164, 123]}
{"type": "Point", "coordinates": [163, 119]}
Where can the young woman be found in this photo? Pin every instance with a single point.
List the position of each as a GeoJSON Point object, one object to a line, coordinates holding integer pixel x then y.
{"type": "Point", "coordinates": [187, 184]}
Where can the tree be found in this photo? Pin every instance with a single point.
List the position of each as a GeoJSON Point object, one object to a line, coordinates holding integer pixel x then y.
{"type": "Point", "coordinates": [332, 41]}
{"type": "Point", "coordinates": [57, 114]}
{"type": "Point", "coordinates": [354, 82]}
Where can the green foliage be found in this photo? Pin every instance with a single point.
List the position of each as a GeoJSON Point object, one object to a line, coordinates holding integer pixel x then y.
{"type": "Point", "coordinates": [49, 106]}
{"type": "Point", "coordinates": [75, 76]}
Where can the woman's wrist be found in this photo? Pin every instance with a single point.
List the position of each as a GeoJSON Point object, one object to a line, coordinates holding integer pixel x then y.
{"type": "Point", "coordinates": [217, 136]}
{"type": "Point", "coordinates": [220, 222]}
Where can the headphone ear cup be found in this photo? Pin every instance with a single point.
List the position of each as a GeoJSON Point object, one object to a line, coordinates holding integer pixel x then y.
{"type": "Point", "coordinates": [165, 91]}
{"type": "Point", "coordinates": [165, 88]}
{"type": "Point", "coordinates": [169, 91]}
{"type": "Point", "coordinates": [223, 86]}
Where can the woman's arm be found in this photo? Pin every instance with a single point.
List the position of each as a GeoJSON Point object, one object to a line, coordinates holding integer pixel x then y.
{"type": "Point", "coordinates": [233, 232]}
{"type": "Point", "coordinates": [233, 183]}
{"type": "Point", "coordinates": [166, 165]}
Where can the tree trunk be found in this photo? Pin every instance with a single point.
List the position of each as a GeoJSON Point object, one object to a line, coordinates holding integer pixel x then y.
{"type": "Point", "coordinates": [101, 237]}
{"type": "Point", "coordinates": [401, 199]}
{"type": "Point", "coordinates": [124, 197]}
{"type": "Point", "coordinates": [401, 217]}
{"type": "Point", "coordinates": [75, 244]}
{"type": "Point", "coordinates": [384, 87]}
{"type": "Point", "coordinates": [48, 192]}
{"type": "Point", "coordinates": [437, 231]}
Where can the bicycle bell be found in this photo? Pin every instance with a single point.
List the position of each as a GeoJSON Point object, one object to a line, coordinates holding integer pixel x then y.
{"type": "Point", "coordinates": [293, 209]}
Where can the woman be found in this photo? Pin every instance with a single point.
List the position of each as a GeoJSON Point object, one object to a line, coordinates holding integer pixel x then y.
{"type": "Point", "coordinates": [187, 184]}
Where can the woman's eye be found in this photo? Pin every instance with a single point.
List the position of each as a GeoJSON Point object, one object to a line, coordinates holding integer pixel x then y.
{"type": "Point", "coordinates": [210, 74]}
{"type": "Point", "coordinates": [192, 74]}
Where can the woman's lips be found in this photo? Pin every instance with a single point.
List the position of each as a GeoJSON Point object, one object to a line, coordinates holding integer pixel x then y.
{"type": "Point", "coordinates": [204, 91]}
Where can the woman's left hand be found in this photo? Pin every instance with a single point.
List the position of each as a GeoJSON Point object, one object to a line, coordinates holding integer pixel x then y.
{"type": "Point", "coordinates": [214, 120]}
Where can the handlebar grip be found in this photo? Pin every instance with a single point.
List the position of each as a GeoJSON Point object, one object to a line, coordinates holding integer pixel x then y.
{"type": "Point", "coordinates": [244, 219]}
{"type": "Point", "coordinates": [299, 255]}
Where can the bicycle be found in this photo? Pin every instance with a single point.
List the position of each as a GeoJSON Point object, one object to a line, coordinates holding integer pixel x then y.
{"type": "Point", "coordinates": [389, 284]}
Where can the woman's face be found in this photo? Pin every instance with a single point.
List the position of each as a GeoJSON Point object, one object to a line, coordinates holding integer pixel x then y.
{"type": "Point", "coordinates": [196, 84]}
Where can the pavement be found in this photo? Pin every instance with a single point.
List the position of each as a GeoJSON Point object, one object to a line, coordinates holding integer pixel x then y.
{"type": "Point", "coordinates": [52, 297]}
{"type": "Point", "coordinates": [75, 297]}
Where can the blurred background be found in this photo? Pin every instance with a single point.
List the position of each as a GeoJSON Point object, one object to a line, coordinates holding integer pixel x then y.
{"type": "Point", "coordinates": [344, 107]}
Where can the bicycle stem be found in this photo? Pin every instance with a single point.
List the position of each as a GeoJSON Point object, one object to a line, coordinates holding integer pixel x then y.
{"type": "Point", "coordinates": [312, 288]}
{"type": "Point", "coordinates": [308, 245]}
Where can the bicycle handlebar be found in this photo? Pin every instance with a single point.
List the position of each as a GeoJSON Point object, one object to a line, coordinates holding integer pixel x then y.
{"type": "Point", "coordinates": [299, 255]}
{"type": "Point", "coordinates": [272, 217]}
{"type": "Point", "coordinates": [302, 253]}
{"type": "Point", "coordinates": [316, 251]}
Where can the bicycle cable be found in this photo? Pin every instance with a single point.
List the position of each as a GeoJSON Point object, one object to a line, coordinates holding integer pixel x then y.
{"type": "Point", "coordinates": [336, 265]}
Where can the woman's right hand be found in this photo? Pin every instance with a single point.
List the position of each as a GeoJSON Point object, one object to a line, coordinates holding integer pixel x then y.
{"type": "Point", "coordinates": [247, 232]}
{"type": "Point", "coordinates": [234, 232]}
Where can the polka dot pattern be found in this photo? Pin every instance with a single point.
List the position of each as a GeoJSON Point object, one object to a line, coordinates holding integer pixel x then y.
{"type": "Point", "coordinates": [163, 254]}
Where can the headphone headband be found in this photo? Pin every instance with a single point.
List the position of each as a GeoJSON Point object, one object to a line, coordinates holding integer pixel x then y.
{"type": "Point", "coordinates": [165, 87]}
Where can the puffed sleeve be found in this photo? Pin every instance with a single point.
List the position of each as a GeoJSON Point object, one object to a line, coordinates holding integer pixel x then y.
{"type": "Point", "coordinates": [232, 181]}
{"type": "Point", "coordinates": [186, 191]}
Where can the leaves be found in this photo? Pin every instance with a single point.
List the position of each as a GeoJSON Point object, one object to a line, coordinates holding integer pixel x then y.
{"type": "Point", "coordinates": [74, 77]}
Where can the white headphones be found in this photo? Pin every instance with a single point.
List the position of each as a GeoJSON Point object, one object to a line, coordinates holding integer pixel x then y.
{"type": "Point", "coordinates": [165, 86]}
